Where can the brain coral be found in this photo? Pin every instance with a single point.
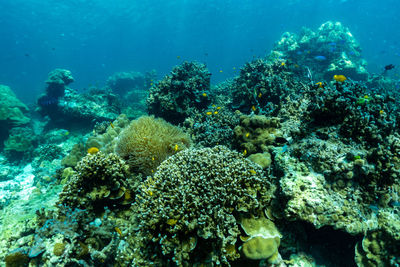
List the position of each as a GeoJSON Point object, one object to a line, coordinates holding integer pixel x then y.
{"type": "Point", "coordinates": [147, 141]}
{"type": "Point", "coordinates": [188, 212]}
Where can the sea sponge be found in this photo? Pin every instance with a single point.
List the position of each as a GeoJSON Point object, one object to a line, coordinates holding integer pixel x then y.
{"type": "Point", "coordinates": [148, 141]}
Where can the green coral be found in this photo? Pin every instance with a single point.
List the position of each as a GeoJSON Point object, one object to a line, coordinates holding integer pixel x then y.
{"type": "Point", "coordinates": [187, 213]}
{"type": "Point", "coordinates": [21, 139]}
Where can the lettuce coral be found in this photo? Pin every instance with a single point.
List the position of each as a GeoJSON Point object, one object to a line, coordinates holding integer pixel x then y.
{"type": "Point", "coordinates": [147, 141]}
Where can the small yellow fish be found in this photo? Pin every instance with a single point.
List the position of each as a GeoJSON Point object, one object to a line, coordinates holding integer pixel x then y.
{"type": "Point", "coordinates": [381, 112]}
{"type": "Point", "coordinates": [213, 105]}
{"type": "Point", "coordinates": [172, 221]}
{"type": "Point", "coordinates": [252, 171]}
{"type": "Point", "coordinates": [118, 231]}
{"type": "Point", "coordinates": [176, 147]}
{"type": "Point", "coordinates": [245, 152]}
{"type": "Point", "coordinates": [93, 150]}
{"type": "Point", "coordinates": [112, 125]}
{"type": "Point", "coordinates": [247, 134]}
{"type": "Point", "coordinates": [220, 71]}
{"type": "Point", "coordinates": [208, 113]}
{"type": "Point", "coordinates": [151, 84]}
{"type": "Point", "coordinates": [320, 84]}
{"type": "Point", "coordinates": [215, 112]}
{"type": "Point", "coordinates": [218, 107]}
{"type": "Point", "coordinates": [204, 94]}
{"type": "Point", "coordinates": [366, 97]}
{"type": "Point", "coordinates": [153, 159]}
{"type": "Point", "coordinates": [339, 78]}
{"type": "Point", "coordinates": [259, 95]}
{"type": "Point", "coordinates": [283, 64]}
{"type": "Point", "coordinates": [253, 108]}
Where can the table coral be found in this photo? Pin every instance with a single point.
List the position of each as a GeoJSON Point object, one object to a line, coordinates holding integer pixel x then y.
{"type": "Point", "coordinates": [188, 212]}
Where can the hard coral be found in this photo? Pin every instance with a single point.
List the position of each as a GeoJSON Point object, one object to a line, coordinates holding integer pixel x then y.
{"type": "Point", "coordinates": [99, 180]}
{"type": "Point", "coordinates": [179, 94]}
{"type": "Point", "coordinates": [147, 141]}
{"type": "Point", "coordinates": [188, 212]}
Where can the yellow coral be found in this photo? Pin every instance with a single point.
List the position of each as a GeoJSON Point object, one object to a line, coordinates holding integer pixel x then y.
{"type": "Point", "coordinates": [147, 141]}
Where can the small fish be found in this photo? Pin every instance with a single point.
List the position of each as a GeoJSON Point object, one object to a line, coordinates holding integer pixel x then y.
{"type": "Point", "coordinates": [93, 150]}
{"type": "Point", "coordinates": [320, 58]}
{"type": "Point", "coordinates": [220, 71]}
{"type": "Point", "coordinates": [247, 134]}
{"type": "Point", "coordinates": [112, 125]}
{"type": "Point", "coordinates": [253, 108]}
{"type": "Point", "coordinates": [389, 67]}
{"type": "Point", "coordinates": [259, 95]}
{"type": "Point", "coordinates": [215, 112]}
{"type": "Point", "coordinates": [381, 112]}
{"type": "Point", "coordinates": [283, 64]}
{"type": "Point", "coordinates": [208, 113]}
{"type": "Point", "coordinates": [172, 221]}
{"type": "Point", "coordinates": [320, 85]}
{"type": "Point", "coordinates": [176, 147]}
{"type": "Point", "coordinates": [252, 171]}
{"type": "Point", "coordinates": [218, 107]}
{"type": "Point", "coordinates": [339, 78]}
{"type": "Point", "coordinates": [204, 94]}
{"type": "Point", "coordinates": [245, 152]}
{"type": "Point", "coordinates": [118, 231]}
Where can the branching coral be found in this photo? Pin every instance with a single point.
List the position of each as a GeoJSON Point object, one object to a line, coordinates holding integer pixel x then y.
{"type": "Point", "coordinates": [147, 141]}
{"type": "Point", "coordinates": [188, 211]}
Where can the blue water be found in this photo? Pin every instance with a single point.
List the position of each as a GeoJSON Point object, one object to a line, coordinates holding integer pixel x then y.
{"type": "Point", "coordinates": [95, 38]}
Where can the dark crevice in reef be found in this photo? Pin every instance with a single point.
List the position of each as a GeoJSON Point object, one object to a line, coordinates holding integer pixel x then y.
{"type": "Point", "coordinates": [327, 246]}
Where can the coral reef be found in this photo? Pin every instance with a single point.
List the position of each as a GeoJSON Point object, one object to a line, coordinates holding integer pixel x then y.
{"type": "Point", "coordinates": [180, 93]}
{"type": "Point", "coordinates": [256, 133]}
{"type": "Point", "coordinates": [377, 249]}
{"type": "Point", "coordinates": [330, 50]}
{"type": "Point", "coordinates": [100, 180]}
{"type": "Point", "coordinates": [65, 105]}
{"type": "Point", "coordinates": [147, 141]}
{"type": "Point", "coordinates": [188, 211]}
{"type": "Point", "coordinates": [212, 127]}
{"type": "Point", "coordinates": [261, 87]}
{"type": "Point", "coordinates": [12, 111]}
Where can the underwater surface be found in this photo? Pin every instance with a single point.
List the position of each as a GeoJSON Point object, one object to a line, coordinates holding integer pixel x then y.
{"type": "Point", "coordinates": [199, 133]}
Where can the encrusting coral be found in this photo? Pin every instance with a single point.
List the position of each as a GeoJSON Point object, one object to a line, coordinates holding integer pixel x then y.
{"type": "Point", "coordinates": [147, 141]}
{"type": "Point", "coordinates": [188, 212]}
